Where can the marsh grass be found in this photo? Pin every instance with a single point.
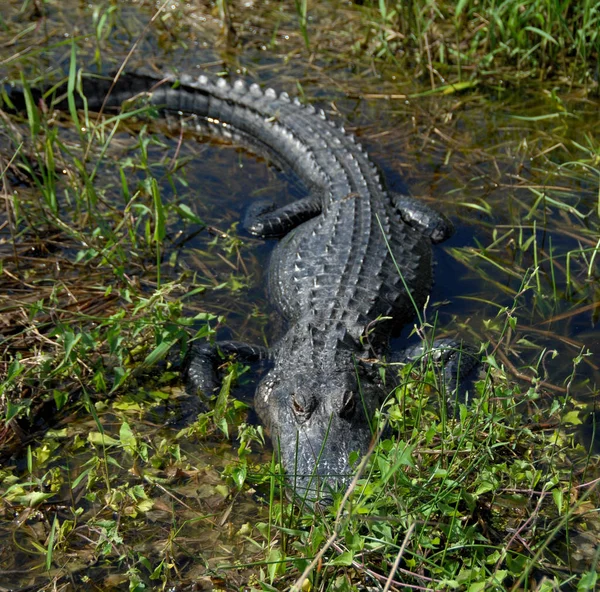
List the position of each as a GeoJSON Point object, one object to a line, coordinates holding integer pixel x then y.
{"type": "Point", "coordinates": [509, 40]}
{"type": "Point", "coordinates": [500, 494]}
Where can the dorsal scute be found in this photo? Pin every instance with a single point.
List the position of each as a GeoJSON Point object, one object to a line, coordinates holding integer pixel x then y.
{"type": "Point", "coordinates": [345, 341]}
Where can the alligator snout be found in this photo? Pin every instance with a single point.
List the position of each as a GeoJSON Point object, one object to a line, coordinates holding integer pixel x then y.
{"type": "Point", "coordinates": [316, 421]}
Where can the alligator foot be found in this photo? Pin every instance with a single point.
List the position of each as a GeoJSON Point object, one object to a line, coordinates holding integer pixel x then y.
{"type": "Point", "coordinates": [201, 371]}
{"type": "Point", "coordinates": [425, 219]}
{"type": "Point", "coordinates": [459, 363]}
{"type": "Point", "coordinates": [265, 220]}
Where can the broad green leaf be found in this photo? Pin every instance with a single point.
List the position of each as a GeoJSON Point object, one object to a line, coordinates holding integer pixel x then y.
{"type": "Point", "coordinates": [346, 558]}
{"type": "Point", "coordinates": [128, 440]}
{"type": "Point", "coordinates": [587, 581]}
{"type": "Point", "coordinates": [101, 439]}
{"type": "Point", "coordinates": [572, 417]}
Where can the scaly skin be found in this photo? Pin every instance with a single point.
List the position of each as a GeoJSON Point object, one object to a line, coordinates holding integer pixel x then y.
{"type": "Point", "coordinates": [332, 275]}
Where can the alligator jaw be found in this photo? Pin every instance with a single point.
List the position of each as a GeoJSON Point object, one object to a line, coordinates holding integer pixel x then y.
{"type": "Point", "coordinates": [317, 418]}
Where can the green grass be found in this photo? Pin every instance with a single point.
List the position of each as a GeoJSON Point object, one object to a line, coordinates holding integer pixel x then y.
{"type": "Point", "coordinates": [465, 40]}
{"type": "Point", "coordinates": [498, 496]}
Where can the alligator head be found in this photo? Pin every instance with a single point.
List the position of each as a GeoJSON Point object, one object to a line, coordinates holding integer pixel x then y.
{"type": "Point", "coordinates": [317, 416]}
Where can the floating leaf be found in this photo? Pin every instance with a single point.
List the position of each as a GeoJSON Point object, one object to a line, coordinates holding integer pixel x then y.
{"type": "Point", "coordinates": [101, 439]}
{"type": "Point", "coordinates": [572, 417]}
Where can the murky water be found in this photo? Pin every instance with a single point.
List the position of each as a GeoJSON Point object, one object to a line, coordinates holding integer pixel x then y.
{"type": "Point", "coordinates": [496, 161]}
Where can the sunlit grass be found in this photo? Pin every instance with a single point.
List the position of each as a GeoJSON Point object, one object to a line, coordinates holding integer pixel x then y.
{"type": "Point", "coordinates": [510, 39]}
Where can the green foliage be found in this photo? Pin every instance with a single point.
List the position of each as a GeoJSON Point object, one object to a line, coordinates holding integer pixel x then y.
{"type": "Point", "coordinates": [541, 38]}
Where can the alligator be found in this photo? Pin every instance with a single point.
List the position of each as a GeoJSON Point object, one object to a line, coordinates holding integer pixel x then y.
{"type": "Point", "coordinates": [353, 264]}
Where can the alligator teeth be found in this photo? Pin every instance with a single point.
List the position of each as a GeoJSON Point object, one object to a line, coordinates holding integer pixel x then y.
{"type": "Point", "coordinates": [239, 86]}
{"type": "Point", "coordinates": [203, 79]}
{"type": "Point", "coordinates": [186, 79]}
{"type": "Point", "coordinates": [310, 108]}
{"type": "Point", "coordinates": [297, 101]}
{"type": "Point", "coordinates": [270, 93]}
{"type": "Point", "coordinates": [284, 97]}
{"type": "Point", "coordinates": [222, 83]}
{"type": "Point", "coordinates": [322, 114]}
{"type": "Point", "coordinates": [255, 90]}
{"type": "Point", "coordinates": [342, 128]}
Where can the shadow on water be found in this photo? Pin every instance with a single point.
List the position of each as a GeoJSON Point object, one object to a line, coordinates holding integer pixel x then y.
{"type": "Point", "coordinates": [491, 160]}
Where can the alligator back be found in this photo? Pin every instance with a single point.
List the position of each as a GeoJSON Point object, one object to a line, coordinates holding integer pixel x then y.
{"type": "Point", "coordinates": [337, 270]}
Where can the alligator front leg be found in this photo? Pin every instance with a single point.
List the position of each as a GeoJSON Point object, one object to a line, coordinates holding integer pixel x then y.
{"type": "Point", "coordinates": [459, 363]}
{"type": "Point", "coordinates": [202, 372]}
{"type": "Point", "coordinates": [265, 220]}
{"type": "Point", "coordinates": [420, 216]}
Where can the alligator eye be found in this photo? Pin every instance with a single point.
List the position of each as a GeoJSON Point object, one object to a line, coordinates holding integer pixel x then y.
{"type": "Point", "coordinates": [297, 407]}
{"type": "Point", "coordinates": [348, 405]}
{"type": "Point", "coordinates": [302, 409]}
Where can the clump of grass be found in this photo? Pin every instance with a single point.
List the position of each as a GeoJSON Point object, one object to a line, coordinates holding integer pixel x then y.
{"type": "Point", "coordinates": [478, 498]}
{"type": "Point", "coordinates": [96, 325]}
{"type": "Point", "coordinates": [539, 38]}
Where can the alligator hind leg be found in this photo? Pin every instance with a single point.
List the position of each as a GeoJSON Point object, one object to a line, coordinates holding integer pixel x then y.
{"type": "Point", "coordinates": [265, 220]}
{"type": "Point", "coordinates": [420, 216]}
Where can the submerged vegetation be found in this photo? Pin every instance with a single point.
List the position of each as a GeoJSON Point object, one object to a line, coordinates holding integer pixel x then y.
{"type": "Point", "coordinates": [117, 248]}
